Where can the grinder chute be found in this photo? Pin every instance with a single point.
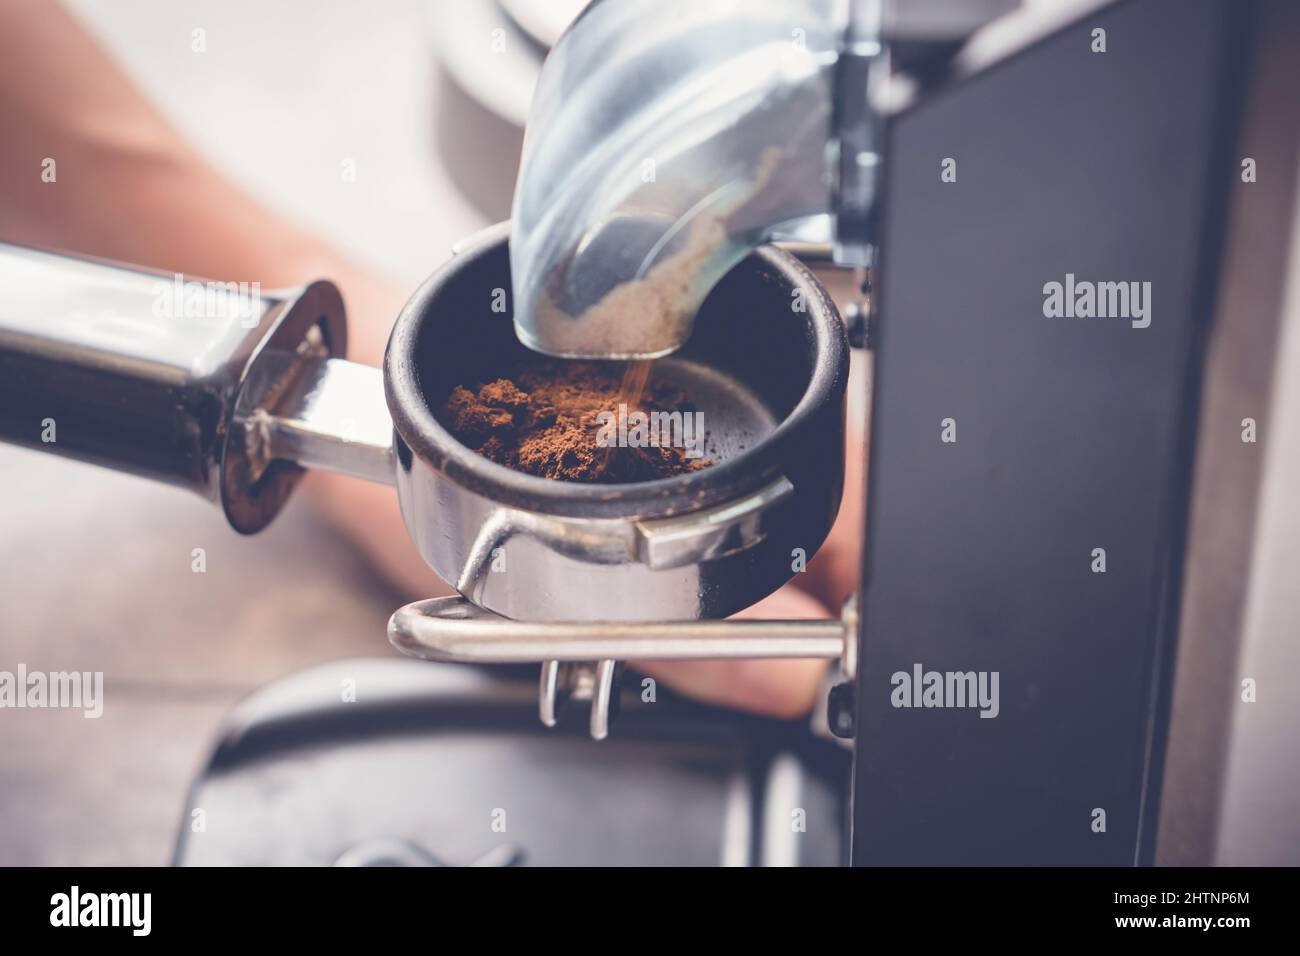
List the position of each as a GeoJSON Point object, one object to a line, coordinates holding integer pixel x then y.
{"type": "Point", "coordinates": [668, 138]}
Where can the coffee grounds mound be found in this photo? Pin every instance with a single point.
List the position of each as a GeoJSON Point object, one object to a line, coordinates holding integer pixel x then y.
{"type": "Point", "coordinates": [542, 420]}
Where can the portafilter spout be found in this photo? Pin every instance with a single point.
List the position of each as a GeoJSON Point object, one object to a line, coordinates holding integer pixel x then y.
{"type": "Point", "coordinates": [668, 138]}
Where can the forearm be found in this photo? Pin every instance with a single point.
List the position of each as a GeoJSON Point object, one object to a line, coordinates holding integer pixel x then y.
{"type": "Point", "coordinates": [125, 185]}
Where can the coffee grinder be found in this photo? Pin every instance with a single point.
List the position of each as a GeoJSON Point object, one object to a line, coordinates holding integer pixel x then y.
{"type": "Point", "coordinates": [958, 158]}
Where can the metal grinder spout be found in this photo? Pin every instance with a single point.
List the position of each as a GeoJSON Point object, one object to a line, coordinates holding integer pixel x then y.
{"type": "Point", "coordinates": [669, 137]}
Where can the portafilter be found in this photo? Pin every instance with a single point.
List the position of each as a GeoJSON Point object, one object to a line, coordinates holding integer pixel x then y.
{"type": "Point", "coordinates": [232, 393]}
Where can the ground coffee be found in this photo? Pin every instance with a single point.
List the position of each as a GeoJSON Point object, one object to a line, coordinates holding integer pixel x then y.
{"type": "Point", "coordinates": [545, 418]}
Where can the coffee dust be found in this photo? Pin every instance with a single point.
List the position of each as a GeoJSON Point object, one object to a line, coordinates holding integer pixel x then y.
{"type": "Point", "coordinates": [541, 419]}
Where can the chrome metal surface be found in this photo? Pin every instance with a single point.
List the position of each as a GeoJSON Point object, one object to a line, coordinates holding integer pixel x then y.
{"type": "Point", "coordinates": [604, 696]}
{"type": "Point", "coordinates": [453, 629]}
{"type": "Point", "coordinates": [856, 141]}
{"type": "Point", "coordinates": [700, 545]}
{"type": "Point", "coordinates": [849, 616]}
{"type": "Point", "coordinates": [329, 414]}
{"type": "Point", "coordinates": [565, 683]}
{"type": "Point", "coordinates": [550, 567]}
{"type": "Point", "coordinates": [582, 660]}
{"type": "Point", "coordinates": [140, 371]}
{"type": "Point", "coordinates": [668, 138]}
{"type": "Point", "coordinates": [710, 532]}
{"type": "Point", "coordinates": [552, 692]}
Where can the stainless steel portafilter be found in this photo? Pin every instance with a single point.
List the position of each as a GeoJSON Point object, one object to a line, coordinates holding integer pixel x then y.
{"type": "Point", "coordinates": [232, 392]}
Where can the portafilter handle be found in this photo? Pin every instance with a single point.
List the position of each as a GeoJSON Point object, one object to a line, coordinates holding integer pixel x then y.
{"type": "Point", "coordinates": [218, 387]}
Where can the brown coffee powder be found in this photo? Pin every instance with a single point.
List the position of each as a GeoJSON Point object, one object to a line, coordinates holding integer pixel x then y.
{"type": "Point", "coordinates": [542, 419]}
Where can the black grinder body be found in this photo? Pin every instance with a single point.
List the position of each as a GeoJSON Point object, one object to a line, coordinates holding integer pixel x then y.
{"type": "Point", "coordinates": [1012, 445]}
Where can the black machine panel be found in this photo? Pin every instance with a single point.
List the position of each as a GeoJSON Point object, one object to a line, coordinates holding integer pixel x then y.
{"type": "Point", "coordinates": [1072, 434]}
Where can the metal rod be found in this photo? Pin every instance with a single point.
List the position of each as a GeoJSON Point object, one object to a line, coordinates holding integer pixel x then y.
{"type": "Point", "coordinates": [452, 629]}
{"type": "Point", "coordinates": [332, 416]}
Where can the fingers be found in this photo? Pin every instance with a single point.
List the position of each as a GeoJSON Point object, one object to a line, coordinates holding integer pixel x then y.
{"type": "Point", "coordinates": [369, 515]}
{"type": "Point", "coordinates": [776, 688]}
{"type": "Point", "coordinates": [833, 574]}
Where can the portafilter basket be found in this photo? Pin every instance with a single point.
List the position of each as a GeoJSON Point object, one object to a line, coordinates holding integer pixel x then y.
{"type": "Point", "coordinates": [588, 566]}
{"type": "Point", "coordinates": [766, 370]}
{"type": "Point", "coordinates": [235, 400]}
